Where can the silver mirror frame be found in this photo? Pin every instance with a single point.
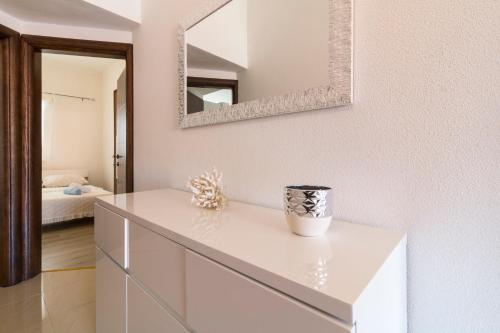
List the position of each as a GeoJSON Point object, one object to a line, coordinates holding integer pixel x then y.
{"type": "Point", "coordinates": [337, 93]}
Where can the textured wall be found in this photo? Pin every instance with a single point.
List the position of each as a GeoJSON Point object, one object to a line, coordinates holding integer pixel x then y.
{"type": "Point", "coordinates": [419, 150]}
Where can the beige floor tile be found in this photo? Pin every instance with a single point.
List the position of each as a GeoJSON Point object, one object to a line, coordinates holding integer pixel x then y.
{"type": "Point", "coordinates": [76, 320]}
{"type": "Point", "coordinates": [28, 316]}
{"type": "Point", "coordinates": [21, 291]}
{"type": "Point", "coordinates": [55, 302]}
{"type": "Point", "coordinates": [70, 299]}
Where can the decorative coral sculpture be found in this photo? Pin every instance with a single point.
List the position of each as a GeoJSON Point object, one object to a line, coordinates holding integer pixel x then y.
{"type": "Point", "coordinates": [207, 190]}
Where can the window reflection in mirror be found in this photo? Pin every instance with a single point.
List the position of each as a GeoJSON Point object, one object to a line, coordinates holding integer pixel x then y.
{"type": "Point", "coordinates": [209, 93]}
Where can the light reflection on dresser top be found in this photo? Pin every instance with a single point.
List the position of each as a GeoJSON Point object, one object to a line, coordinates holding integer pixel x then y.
{"type": "Point", "coordinates": [329, 272]}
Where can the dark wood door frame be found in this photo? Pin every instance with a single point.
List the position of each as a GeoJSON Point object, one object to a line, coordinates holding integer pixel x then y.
{"type": "Point", "coordinates": [115, 101]}
{"type": "Point", "coordinates": [12, 232]}
{"type": "Point", "coordinates": [25, 233]}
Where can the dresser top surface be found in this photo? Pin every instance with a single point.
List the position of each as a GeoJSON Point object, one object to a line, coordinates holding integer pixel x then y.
{"type": "Point", "coordinates": [330, 271]}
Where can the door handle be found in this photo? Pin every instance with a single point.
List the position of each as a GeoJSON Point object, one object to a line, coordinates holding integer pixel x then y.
{"type": "Point", "coordinates": [117, 156]}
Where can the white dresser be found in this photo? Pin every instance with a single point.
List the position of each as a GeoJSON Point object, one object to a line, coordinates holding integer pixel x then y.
{"type": "Point", "coordinates": [164, 265]}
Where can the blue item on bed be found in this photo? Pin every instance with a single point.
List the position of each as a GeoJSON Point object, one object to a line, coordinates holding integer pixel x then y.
{"type": "Point", "coordinates": [73, 191]}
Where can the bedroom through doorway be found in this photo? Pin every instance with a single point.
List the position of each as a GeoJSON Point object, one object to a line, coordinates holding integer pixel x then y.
{"type": "Point", "coordinates": [83, 139]}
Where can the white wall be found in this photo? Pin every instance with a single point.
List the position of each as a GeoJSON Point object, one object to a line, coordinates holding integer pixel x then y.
{"type": "Point", "coordinates": [224, 33]}
{"type": "Point", "coordinates": [418, 150]}
{"type": "Point", "coordinates": [109, 80]}
{"type": "Point", "coordinates": [76, 125]}
{"type": "Point", "coordinates": [287, 49]}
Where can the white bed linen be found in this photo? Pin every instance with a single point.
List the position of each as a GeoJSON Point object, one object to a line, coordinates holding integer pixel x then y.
{"type": "Point", "coordinates": [58, 207]}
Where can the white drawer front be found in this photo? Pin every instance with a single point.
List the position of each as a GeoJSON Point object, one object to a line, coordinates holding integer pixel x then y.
{"type": "Point", "coordinates": [110, 295]}
{"type": "Point", "coordinates": [220, 300]}
{"type": "Point", "coordinates": [110, 234]}
{"type": "Point", "coordinates": [159, 264]}
{"type": "Point", "coordinates": [145, 315]}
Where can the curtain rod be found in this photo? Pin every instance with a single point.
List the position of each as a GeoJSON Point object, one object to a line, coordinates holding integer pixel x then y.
{"type": "Point", "coordinates": [71, 96]}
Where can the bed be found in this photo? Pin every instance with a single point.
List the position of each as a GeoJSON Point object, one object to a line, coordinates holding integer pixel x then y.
{"type": "Point", "coordinates": [58, 207]}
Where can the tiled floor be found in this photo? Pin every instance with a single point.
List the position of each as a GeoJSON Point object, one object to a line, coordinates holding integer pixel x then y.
{"type": "Point", "coordinates": [53, 302]}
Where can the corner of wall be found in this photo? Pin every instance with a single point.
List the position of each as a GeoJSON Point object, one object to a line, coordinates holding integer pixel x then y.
{"type": "Point", "coordinates": [64, 31]}
{"type": "Point", "coordinates": [131, 9]}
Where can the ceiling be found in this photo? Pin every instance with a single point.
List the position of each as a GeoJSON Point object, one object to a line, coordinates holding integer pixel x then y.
{"type": "Point", "coordinates": [90, 63]}
{"type": "Point", "coordinates": [197, 58]}
{"type": "Point", "coordinates": [65, 12]}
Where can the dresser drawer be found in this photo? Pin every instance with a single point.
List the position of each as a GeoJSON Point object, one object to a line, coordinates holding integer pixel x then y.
{"type": "Point", "coordinates": [145, 315]}
{"type": "Point", "coordinates": [110, 234]}
{"type": "Point", "coordinates": [220, 300]}
{"type": "Point", "coordinates": [159, 264]}
{"type": "Point", "coordinates": [110, 295]}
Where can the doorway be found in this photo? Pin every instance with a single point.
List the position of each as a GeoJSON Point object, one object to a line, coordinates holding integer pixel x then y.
{"type": "Point", "coordinates": [21, 250]}
{"type": "Point", "coordinates": [78, 152]}
{"type": "Point", "coordinates": [58, 251]}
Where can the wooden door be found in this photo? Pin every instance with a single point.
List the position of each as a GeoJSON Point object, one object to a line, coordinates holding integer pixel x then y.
{"type": "Point", "coordinates": [121, 135]}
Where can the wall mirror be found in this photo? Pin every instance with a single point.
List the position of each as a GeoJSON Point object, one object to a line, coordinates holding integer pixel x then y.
{"type": "Point", "coordinates": [244, 59]}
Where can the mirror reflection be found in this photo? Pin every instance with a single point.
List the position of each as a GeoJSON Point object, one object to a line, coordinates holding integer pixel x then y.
{"type": "Point", "coordinates": [253, 49]}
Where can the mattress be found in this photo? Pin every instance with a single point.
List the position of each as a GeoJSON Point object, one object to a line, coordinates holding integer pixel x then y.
{"type": "Point", "coordinates": [59, 207]}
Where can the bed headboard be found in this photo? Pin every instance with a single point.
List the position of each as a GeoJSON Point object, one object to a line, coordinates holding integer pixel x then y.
{"type": "Point", "coordinates": [79, 172]}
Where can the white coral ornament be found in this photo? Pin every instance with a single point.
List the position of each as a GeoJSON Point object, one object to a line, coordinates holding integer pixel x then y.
{"type": "Point", "coordinates": [207, 190]}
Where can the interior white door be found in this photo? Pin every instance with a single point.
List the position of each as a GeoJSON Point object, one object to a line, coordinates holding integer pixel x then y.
{"type": "Point", "coordinates": [120, 156]}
